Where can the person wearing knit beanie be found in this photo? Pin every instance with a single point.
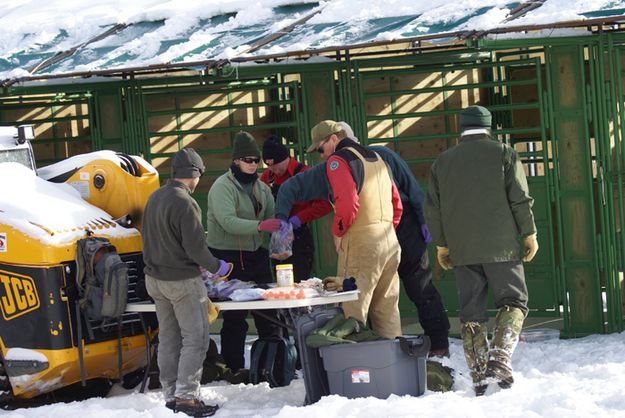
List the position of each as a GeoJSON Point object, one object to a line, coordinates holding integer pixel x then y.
{"type": "Point", "coordinates": [187, 164]}
{"type": "Point", "coordinates": [244, 145]}
{"type": "Point", "coordinates": [475, 117]}
{"type": "Point", "coordinates": [276, 155]}
{"type": "Point", "coordinates": [479, 213]}
{"type": "Point", "coordinates": [282, 167]}
{"type": "Point", "coordinates": [274, 151]}
{"type": "Point", "coordinates": [239, 217]}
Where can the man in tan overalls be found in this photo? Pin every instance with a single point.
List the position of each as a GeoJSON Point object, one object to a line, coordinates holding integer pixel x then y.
{"type": "Point", "coordinates": [367, 209]}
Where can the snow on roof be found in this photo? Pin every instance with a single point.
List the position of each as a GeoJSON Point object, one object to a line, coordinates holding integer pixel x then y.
{"type": "Point", "coordinates": [50, 212]}
{"type": "Point", "coordinates": [145, 32]}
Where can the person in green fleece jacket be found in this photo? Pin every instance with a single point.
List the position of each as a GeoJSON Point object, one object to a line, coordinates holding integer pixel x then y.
{"type": "Point", "coordinates": [240, 208]}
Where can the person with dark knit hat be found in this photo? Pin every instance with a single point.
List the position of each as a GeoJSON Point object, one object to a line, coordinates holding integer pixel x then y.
{"type": "Point", "coordinates": [477, 207]}
{"type": "Point", "coordinates": [240, 212]}
{"type": "Point", "coordinates": [281, 168]}
{"type": "Point", "coordinates": [174, 249]}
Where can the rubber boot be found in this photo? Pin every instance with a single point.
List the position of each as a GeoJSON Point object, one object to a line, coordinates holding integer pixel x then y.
{"type": "Point", "coordinates": [475, 343]}
{"type": "Point", "coordinates": [508, 325]}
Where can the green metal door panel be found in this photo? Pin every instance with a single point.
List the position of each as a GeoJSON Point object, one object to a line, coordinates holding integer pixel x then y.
{"type": "Point", "coordinates": [574, 178]}
{"type": "Point", "coordinates": [615, 287]}
{"type": "Point", "coordinates": [582, 303]}
{"type": "Point", "coordinates": [109, 120]}
{"type": "Point", "coordinates": [539, 274]}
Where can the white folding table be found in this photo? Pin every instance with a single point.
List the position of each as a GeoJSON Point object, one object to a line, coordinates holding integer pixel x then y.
{"type": "Point", "coordinates": [326, 299]}
{"type": "Point", "coordinates": [329, 298]}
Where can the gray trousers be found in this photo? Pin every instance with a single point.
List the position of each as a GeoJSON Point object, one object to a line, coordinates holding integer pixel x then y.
{"type": "Point", "coordinates": [506, 279]}
{"type": "Point", "coordinates": [182, 312]}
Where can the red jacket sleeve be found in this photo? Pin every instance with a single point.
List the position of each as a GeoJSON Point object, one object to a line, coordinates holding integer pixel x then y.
{"type": "Point", "coordinates": [398, 208]}
{"type": "Point", "coordinates": [345, 194]}
{"type": "Point", "coordinates": [313, 209]}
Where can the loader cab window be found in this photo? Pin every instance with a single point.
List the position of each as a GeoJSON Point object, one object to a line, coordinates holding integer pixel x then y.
{"type": "Point", "coordinates": [15, 145]}
{"type": "Point", "coordinates": [18, 155]}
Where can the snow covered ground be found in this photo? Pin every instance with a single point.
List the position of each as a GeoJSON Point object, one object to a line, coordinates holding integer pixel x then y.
{"type": "Point", "coordinates": [582, 377]}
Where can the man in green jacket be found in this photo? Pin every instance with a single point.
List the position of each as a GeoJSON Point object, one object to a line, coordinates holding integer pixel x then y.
{"type": "Point", "coordinates": [240, 208]}
{"type": "Point", "coordinates": [476, 208]}
{"type": "Point", "coordinates": [173, 250]}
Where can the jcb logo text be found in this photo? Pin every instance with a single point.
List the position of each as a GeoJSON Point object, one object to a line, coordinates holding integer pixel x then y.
{"type": "Point", "coordinates": [18, 295]}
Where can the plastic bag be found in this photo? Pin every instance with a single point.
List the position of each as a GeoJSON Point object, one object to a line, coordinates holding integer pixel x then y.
{"type": "Point", "coordinates": [281, 244]}
{"type": "Point", "coordinates": [241, 295]}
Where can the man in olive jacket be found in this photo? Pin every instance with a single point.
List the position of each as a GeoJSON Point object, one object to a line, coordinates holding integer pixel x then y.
{"type": "Point", "coordinates": [173, 249]}
{"type": "Point", "coordinates": [477, 208]}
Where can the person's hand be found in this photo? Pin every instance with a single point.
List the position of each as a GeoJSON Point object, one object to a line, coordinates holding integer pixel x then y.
{"type": "Point", "coordinates": [333, 283]}
{"type": "Point", "coordinates": [270, 225]}
{"type": "Point", "coordinates": [530, 244]}
{"type": "Point", "coordinates": [295, 221]}
{"type": "Point", "coordinates": [442, 254]}
{"type": "Point", "coordinates": [427, 238]}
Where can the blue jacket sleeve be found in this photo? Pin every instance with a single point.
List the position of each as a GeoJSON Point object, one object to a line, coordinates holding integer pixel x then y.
{"type": "Point", "coordinates": [306, 185]}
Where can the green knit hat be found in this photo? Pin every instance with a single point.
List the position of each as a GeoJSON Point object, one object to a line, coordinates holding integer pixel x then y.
{"type": "Point", "coordinates": [475, 116]}
{"type": "Point", "coordinates": [244, 145]}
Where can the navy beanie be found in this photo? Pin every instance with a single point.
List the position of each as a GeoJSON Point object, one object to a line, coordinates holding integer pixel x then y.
{"type": "Point", "coordinates": [273, 149]}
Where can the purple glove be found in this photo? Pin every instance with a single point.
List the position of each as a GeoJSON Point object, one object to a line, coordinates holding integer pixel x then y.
{"type": "Point", "coordinates": [225, 269]}
{"type": "Point", "coordinates": [270, 225]}
{"type": "Point", "coordinates": [295, 221]}
{"type": "Point", "coordinates": [426, 234]}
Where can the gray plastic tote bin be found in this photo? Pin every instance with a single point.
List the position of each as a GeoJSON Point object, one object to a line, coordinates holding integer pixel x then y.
{"type": "Point", "coordinates": [377, 368]}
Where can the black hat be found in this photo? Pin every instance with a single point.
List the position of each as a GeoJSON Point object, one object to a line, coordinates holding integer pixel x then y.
{"type": "Point", "coordinates": [187, 164]}
{"type": "Point", "coordinates": [476, 116]}
{"type": "Point", "coordinates": [244, 145]}
{"type": "Point", "coordinates": [273, 149]}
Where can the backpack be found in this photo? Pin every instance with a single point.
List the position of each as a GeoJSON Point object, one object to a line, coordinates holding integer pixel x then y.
{"type": "Point", "coordinates": [273, 360]}
{"type": "Point", "coordinates": [101, 279]}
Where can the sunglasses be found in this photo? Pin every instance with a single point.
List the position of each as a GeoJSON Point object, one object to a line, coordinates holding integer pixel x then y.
{"type": "Point", "coordinates": [250, 160]}
{"type": "Point", "coordinates": [320, 148]}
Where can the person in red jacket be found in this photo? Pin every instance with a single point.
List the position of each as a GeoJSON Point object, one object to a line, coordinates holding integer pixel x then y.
{"type": "Point", "coordinates": [367, 209]}
{"type": "Point", "coordinates": [281, 168]}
